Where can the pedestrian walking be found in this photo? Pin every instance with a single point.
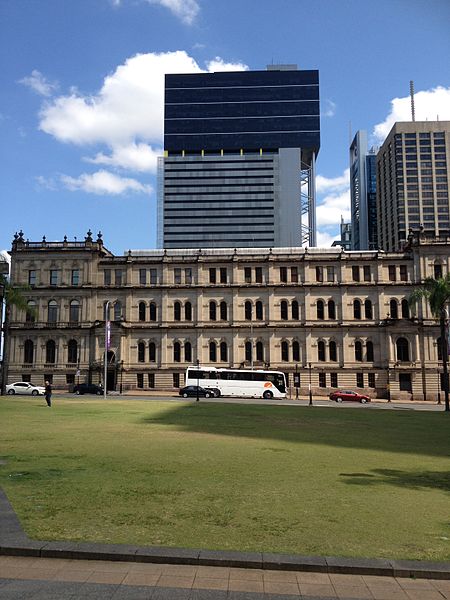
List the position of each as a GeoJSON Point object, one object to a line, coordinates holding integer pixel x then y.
{"type": "Point", "coordinates": [48, 393]}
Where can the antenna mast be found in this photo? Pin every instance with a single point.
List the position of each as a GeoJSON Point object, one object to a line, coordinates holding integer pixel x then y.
{"type": "Point", "coordinates": [411, 93]}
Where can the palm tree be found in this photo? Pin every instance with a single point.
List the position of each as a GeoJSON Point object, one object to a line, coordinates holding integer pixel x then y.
{"type": "Point", "coordinates": [11, 296]}
{"type": "Point", "coordinates": [437, 292]}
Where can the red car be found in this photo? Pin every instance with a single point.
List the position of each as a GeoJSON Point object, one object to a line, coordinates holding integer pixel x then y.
{"type": "Point", "coordinates": [342, 395]}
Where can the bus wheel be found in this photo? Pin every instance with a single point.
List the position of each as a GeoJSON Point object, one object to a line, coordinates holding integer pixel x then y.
{"type": "Point", "coordinates": [267, 395]}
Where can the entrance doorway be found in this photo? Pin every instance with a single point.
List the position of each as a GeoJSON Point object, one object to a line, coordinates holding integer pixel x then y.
{"type": "Point", "coordinates": [405, 382]}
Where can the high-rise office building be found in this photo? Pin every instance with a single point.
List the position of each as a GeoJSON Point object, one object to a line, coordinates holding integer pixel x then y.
{"type": "Point", "coordinates": [363, 187]}
{"type": "Point", "coordinates": [235, 147]}
{"type": "Point", "coordinates": [413, 167]}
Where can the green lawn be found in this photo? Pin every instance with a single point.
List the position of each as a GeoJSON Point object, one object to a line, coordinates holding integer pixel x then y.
{"type": "Point", "coordinates": [322, 481]}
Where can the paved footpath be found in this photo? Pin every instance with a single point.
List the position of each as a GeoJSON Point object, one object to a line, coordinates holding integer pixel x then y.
{"type": "Point", "coordinates": [63, 579]}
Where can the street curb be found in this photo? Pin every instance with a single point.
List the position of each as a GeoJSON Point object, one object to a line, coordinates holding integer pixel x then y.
{"type": "Point", "coordinates": [14, 542]}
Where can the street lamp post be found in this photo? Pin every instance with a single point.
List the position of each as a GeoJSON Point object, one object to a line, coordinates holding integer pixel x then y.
{"type": "Point", "coordinates": [121, 375]}
{"type": "Point", "coordinates": [310, 386]}
{"type": "Point", "coordinates": [107, 340]}
{"type": "Point", "coordinates": [198, 377]}
{"type": "Point", "coordinates": [296, 381]}
{"type": "Point", "coordinates": [439, 387]}
{"type": "Point", "coordinates": [388, 384]}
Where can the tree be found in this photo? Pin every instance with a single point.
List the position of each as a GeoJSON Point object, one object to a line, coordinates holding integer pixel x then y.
{"type": "Point", "coordinates": [437, 293]}
{"type": "Point", "coordinates": [11, 296]}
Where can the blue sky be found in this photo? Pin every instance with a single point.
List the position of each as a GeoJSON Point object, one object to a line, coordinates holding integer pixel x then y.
{"type": "Point", "coordinates": [81, 100]}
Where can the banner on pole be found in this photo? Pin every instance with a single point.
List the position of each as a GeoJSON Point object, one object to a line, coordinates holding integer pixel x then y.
{"type": "Point", "coordinates": [108, 335]}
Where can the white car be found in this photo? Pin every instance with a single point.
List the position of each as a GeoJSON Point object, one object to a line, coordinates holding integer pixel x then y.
{"type": "Point", "coordinates": [23, 387]}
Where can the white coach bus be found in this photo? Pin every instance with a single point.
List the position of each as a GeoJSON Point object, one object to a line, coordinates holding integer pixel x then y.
{"type": "Point", "coordinates": [238, 382]}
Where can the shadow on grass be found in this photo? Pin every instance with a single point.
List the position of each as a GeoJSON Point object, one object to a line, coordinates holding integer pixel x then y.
{"type": "Point", "coordinates": [389, 430]}
{"type": "Point", "coordinates": [414, 480]}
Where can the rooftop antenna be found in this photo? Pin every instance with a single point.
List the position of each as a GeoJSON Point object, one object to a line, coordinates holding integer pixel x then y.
{"type": "Point", "coordinates": [411, 93]}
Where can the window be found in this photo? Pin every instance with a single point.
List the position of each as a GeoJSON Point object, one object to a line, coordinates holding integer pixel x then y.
{"type": "Point", "coordinates": [118, 314]}
{"type": "Point", "coordinates": [402, 349]}
{"type": "Point", "coordinates": [320, 310]}
{"type": "Point", "coordinates": [177, 276]}
{"type": "Point", "coordinates": [48, 377]}
{"type": "Point", "coordinates": [153, 276]}
{"type": "Point", "coordinates": [107, 277]}
{"type": "Point", "coordinates": [140, 380]}
{"type": "Point", "coordinates": [141, 352]}
{"type": "Point", "coordinates": [259, 351]}
{"type": "Point", "coordinates": [321, 351]}
{"type": "Point", "coordinates": [319, 274]}
{"type": "Point", "coordinates": [334, 380]}
{"type": "Point", "coordinates": [212, 275]}
{"type": "Point", "coordinates": [403, 273]}
{"type": "Point", "coordinates": [369, 351]}
{"type": "Point", "coordinates": [360, 380]}
{"type": "Point", "coordinates": [358, 351]}
{"type": "Point", "coordinates": [177, 311]}
{"type": "Point", "coordinates": [355, 273]}
{"type": "Point", "coordinates": [152, 352]}
{"type": "Point", "coordinates": [283, 274]}
{"type": "Point", "coordinates": [188, 311]}
{"type": "Point", "coordinates": [142, 276]}
{"type": "Point", "coordinates": [248, 351]}
{"type": "Point", "coordinates": [284, 310]}
{"type": "Point", "coordinates": [259, 310]}
{"type": "Point", "coordinates": [223, 275]}
{"type": "Point", "coordinates": [437, 271]}
{"type": "Point", "coordinates": [439, 348]}
{"type": "Point", "coordinates": [393, 307]}
{"type": "Point", "coordinates": [247, 275]}
{"type": "Point", "coordinates": [356, 309]}
{"type": "Point", "coordinates": [371, 380]}
{"type": "Point", "coordinates": [367, 273]}
{"type": "Point", "coordinates": [294, 274]}
{"type": "Point", "coordinates": [212, 311]}
{"type": "Point", "coordinates": [224, 351]}
{"type": "Point", "coordinates": [75, 277]}
{"type": "Point", "coordinates": [295, 310]}
{"type": "Point", "coordinates": [70, 378]}
{"type": "Point", "coordinates": [152, 311]}
{"type": "Point", "coordinates": [322, 380]}
{"type": "Point", "coordinates": [30, 315]}
{"type": "Point", "coordinates": [248, 310]}
{"type": "Point", "coordinates": [331, 309]}
{"type": "Point", "coordinates": [176, 380]}
{"type": "Point", "coordinates": [176, 352]}
{"type": "Point", "coordinates": [188, 275]}
{"type": "Point", "coordinates": [295, 351]}
{"type": "Point", "coordinates": [391, 273]}
{"type": "Point", "coordinates": [223, 311]}
{"type": "Point", "coordinates": [284, 351]}
{"type": "Point", "coordinates": [119, 278]}
{"type": "Point", "coordinates": [368, 309]}
{"type": "Point", "coordinates": [330, 274]}
{"type": "Point", "coordinates": [74, 311]}
{"type": "Point", "coordinates": [332, 350]}
{"type": "Point", "coordinates": [141, 310]}
{"type": "Point", "coordinates": [32, 277]}
{"type": "Point", "coordinates": [405, 309]}
{"type": "Point", "coordinates": [151, 380]}
{"type": "Point", "coordinates": [28, 352]}
{"type": "Point", "coordinates": [212, 352]}
{"type": "Point", "coordinates": [258, 275]}
{"type": "Point", "coordinates": [50, 352]}
{"type": "Point", "coordinates": [53, 277]}
{"type": "Point", "coordinates": [72, 352]}
{"type": "Point", "coordinates": [52, 312]}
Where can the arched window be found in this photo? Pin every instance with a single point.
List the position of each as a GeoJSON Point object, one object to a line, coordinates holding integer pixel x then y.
{"type": "Point", "coordinates": [248, 310]}
{"type": "Point", "coordinates": [223, 311]}
{"type": "Point", "coordinates": [142, 310]}
{"type": "Point", "coordinates": [259, 310]}
{"type": "Point", "coordinates": [152, 352]}
{"type": "Point", "coordinates": [248, 351]}
{"type": "Point", "coordinates": [30, 315]}
{"type": "Point", "coordinates": [295, 351]}
{"type": "Point", "coordinates": [405, 309]}
{"type": "Point", "coordinates": [72, 352]}
{"type": "Point", "coordinates": [74, 311]}
{"type": "Point", "coordinates": [259, 351]}
{"type": "Point", "coordinates": [118, 313]}
{"type": "Point", "coordinates": [187, 352]}
{"type": "Point", "coordinates": [369, 351]}
{"type": "Point", "coordinates": [321, 351]}
{"type": "Point", "coordinates": [212, 351]}
{"type": "Point", "coordinates": [295, 311]}
{"type": "Point", "coordinates": [177, 311]}
{"type": "Point", "coordinates": [188, 311]}
{"type": "Point", "coordinates": [152, 311]}
{"type": "Point", "coordinates": [177, 352]}
{"type": "Point", "coordinates": [52, 315]}
{"type": "Point", "coordinates": [332, 350]}
{"type": "Point", "coordinates": [141, 352]}
{"type": "Point", "coordinates": [284, 310]}
{"type": "Point", "coordinates": [358, 351]}
{"type": "Point", "coordinates": [28, 352]}
{"type": "Point", "coordinates": [393, 307]}
{"type": "Point", "coordinates": [223, 352]}
{"type": "Point", "coordinates": [402, 349]}
{"type": "Point", "coordinates": [50, 352]}
{"type": "Point", "coordinates": [212, 311]}
{"type": "Point", "coordinates": [368, 309]}
{"type": "Point", "coordinates": [356, 309]}
{"type": "Point", "coordinates": [320, 310]}
{"type": "Point", "coordinates": [284, 351]}
{"type": "Point", "coordinates": [331, 309]}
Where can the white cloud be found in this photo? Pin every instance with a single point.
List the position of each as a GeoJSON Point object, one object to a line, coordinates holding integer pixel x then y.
{"type": "Point", "coordinates": [218, 64]}
{"type": "Point", "coordinates": [135, 157]}
{"type": "Point", "coordinates": [47, 183]}
{"type": "Point", "coordinates": [335, 184]}
{"type": "Point", "coordinates": [185, 10]}
{"type": "Point", "coordinates": [328, 108]}
{"type": "Point", "coordinates": [332, 208]}
{"type": "Point", "coordinates": [5, 256]}
{"type": "Point", "coordinates": [429, 105]}
{"type": "Point", "coordinates": [325, 239]}
{"type": "Point", "coordinates": [39, 84]}
{"type": "Point", "coordinates": [104, 183]}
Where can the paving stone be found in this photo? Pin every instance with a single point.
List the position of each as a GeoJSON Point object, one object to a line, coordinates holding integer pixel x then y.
{"type": "Point", "coordinates": [226, 558]}
{"type": "Point", "coordinates": [294, 562]}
